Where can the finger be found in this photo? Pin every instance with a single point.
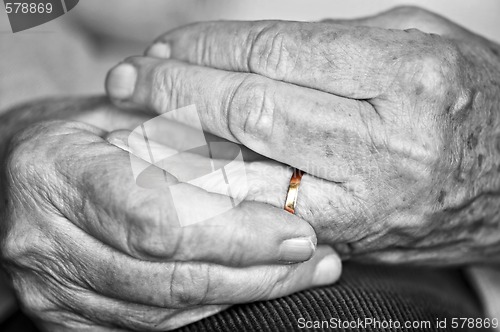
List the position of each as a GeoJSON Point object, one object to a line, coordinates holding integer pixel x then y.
{"type": "Point", "coordinates": [146, 222]}
{"type": "Point", "coordinates": [184, 284]}
{"type": "Point", "coordinates": [86, 310]}
{"type": "Point", "coordinates": [304, 128]}
{"type": "Point", "coordinates": [354, 62]}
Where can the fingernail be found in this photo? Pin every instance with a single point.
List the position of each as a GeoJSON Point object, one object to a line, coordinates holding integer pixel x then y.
{"type": "Point", "coordinates": [296, 250]}
{"type": "Point", "coordinates": [327, 271]}
{"type": "Point", "coordinates": [159, 50]}
{"type": "Point", "coordinates": [120, 83]}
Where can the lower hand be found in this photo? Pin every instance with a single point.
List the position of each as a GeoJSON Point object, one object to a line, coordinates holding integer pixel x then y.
{"type": "Point", "coordinates": [87, 249]}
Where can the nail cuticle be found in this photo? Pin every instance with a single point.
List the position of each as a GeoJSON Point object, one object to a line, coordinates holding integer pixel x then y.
{"type": "Point", "coordinates": [296, 250]}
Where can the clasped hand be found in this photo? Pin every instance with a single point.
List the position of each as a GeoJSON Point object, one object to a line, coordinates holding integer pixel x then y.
{"type": "Point", "coordinates": [396, 128]}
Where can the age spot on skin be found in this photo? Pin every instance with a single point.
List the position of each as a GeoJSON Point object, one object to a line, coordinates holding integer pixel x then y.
{"type": "Point", "coordinates": [459, 176]}
{"type": "Point", "coordinates": [328, 151]}
{"type": "Point", "coordinates": [419, 89]}
{"type": "Point", "coordinates": [472, 141]}
{"type": "Point", "coordinates": [442, 195]}
{"type": "Point", "coordinates": [480, 159]}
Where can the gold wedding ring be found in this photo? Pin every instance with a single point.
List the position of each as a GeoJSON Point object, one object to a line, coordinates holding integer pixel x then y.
{"type": "Point", "coordinates": [293, 191]}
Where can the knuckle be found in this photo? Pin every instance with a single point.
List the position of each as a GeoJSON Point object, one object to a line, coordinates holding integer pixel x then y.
{"type": "Point", "coordinates": [428, 76]}
{"type": "Point", "coordinates": [11, 248]}
{"type": "Point", "coordinates": [19, 161]}
{"type": "Point", "coordinates": [189, 284]}
{"type": "Point", "coordinates": [251, 110]}
{"type": "Point", "coordinates": [40, 143]}
{"type": "Point", "coordinates": [273, 281]}
{"type": "Point", "coordinates": [27, 251]}
{"type": "Point", "coordinates": [202, 51]}
{"type": "Point", "coordinates": [435, 73]}
{"type": "Point", "coordinates": [139, 243]}
{"type": "Point", "coordinates": [30, 297]}
{"type": "Point", "coordinates": [24, 146]}
{"type": "Point", "coordinates": [165, 82]}
{"type": "Point", "coordinates": [145, 238]}
{"type": "Point", "coordinates": [270, 52]}
{"type": "Point", "coordinates": [144, 243]}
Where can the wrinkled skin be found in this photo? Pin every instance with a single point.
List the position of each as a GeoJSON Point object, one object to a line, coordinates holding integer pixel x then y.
{"type": "Point", "coordinates": [89, 250]}
{"type": "Point", "coordinates": [395, 118]}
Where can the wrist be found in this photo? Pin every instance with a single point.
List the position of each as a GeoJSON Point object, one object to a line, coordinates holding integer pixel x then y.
{"type": "Point", "coordinates": [475, 148]}
{"type": "Point", "coordinates": [473, 189]}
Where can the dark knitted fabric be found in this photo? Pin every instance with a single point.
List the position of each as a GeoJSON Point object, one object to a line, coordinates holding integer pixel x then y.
{"type": "Point", "coordinates": [379, 292]}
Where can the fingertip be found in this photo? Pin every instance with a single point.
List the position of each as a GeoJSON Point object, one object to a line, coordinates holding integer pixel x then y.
{"type": "Point", "coordinates": [160, 50]}
{"type": "Point", "coordinates": [121, 81]}
{"type": "Point", "coordinates": [329, 268]}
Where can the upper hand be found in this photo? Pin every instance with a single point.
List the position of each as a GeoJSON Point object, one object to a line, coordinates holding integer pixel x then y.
{"type": "Point", "coordinates": [397, 129]}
